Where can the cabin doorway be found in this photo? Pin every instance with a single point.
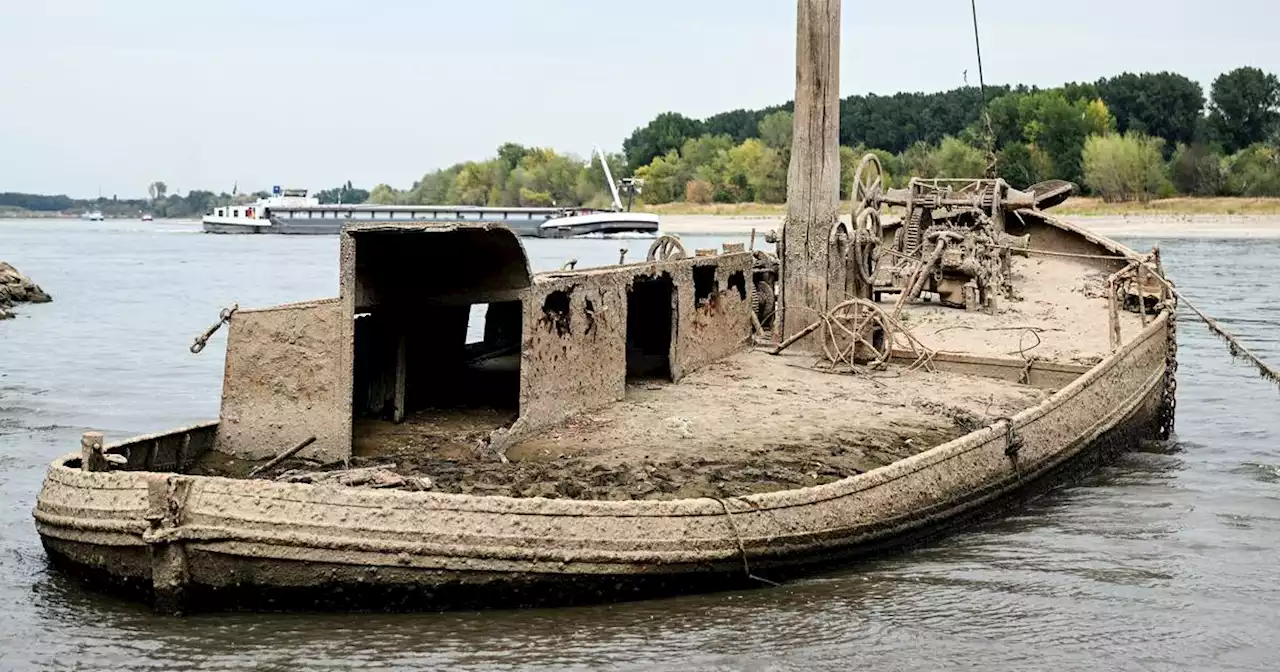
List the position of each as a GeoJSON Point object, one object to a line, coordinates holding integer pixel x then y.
{"type": "Point", "coordinates": [438, 319]}
{"type": "Point", "coordinates": [439, 358]}
{"type": "Point", "coordinates": [651, 306]}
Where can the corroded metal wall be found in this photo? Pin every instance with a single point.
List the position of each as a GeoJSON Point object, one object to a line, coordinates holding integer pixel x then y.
{"type": "Point", "coordinates": [284, 382]}
{"type": "Point", "coordinates": [574, 361]}
{"type": "Point", "coordinates": [573, 364]}
{"type": "Point", "coordinates": [710, 328]}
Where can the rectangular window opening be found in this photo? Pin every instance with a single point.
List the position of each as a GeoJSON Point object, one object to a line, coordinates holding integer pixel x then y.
{"type": "Point", "coordinates": [650, 324]}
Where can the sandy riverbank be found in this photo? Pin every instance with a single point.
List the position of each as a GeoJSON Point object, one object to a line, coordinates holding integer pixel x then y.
{"type": "Point", "coordinates": [1134, 225]}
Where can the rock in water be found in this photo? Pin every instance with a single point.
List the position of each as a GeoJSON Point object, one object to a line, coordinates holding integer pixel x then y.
{"type": "Point", "coordinates": [17, 288]}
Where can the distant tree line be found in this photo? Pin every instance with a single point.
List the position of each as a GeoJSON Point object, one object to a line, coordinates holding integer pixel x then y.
{"type": "Point", "coordinates": [516, 176]}
{"type": "Point", "coordinates": [161, 203]}
{"type": "Point", "coordinates": [1155, 129]}
{"type": "Point", "coordinates": [1132, 136]}
{"type": "Point", "coordinates": [35, 202]}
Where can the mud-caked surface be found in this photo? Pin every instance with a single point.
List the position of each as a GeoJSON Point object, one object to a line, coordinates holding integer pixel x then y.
{"type": "Point", "coordinates": [747, 424]}
{"type": "Point", "coordinates": [1059, 313]}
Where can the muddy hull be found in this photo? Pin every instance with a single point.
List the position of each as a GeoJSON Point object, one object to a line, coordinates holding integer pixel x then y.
{"type": "Point", "coordinates": [197, 543]}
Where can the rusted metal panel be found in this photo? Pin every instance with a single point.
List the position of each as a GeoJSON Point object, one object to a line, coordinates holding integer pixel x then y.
{"type": "Point", "coordinates": [283, 383]}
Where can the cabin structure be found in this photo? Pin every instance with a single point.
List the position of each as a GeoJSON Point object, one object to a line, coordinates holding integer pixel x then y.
{"type": "Point", "coordinates": [395, 342]}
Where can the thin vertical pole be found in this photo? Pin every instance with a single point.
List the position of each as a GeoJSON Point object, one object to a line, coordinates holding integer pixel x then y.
{"type": "Point", "coordinates": [977, 44]}
{"type": "Point", "coordinates": [989, 139]}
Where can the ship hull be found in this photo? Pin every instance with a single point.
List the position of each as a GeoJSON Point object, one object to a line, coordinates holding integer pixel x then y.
{"type": "Point", "coordinates": [193, 542]}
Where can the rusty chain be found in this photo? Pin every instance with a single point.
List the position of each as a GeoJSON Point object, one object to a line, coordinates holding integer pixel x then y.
{"type": "Point", "coordinates": [203, 339]}
{"type": "Point", "coordinates": [1169, 398]}
{"type": "Point", "coordinates": [1013, 443]}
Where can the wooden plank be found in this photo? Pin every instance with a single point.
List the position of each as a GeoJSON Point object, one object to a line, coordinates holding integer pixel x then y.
{"type": "Point", "coordinates": [1041, 374]}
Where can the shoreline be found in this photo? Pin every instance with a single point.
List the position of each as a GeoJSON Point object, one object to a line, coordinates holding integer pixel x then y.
{"type": "Point", "coordinates": [1147, 224]}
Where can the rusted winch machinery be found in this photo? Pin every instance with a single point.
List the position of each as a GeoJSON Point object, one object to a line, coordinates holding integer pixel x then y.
{"type": "Point", "coordinates": [951, 241]}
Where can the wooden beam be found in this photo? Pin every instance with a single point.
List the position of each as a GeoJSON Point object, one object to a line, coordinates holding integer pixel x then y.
{"type": "Point", "coordinates": [813, 178]}
{"type": "Point", "coordinates": [91, 455]}
{"type": "Point", "coordinates": [402, 373]}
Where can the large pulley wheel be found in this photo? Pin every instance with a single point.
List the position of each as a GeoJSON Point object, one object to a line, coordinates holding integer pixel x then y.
{"type": "Point", "coordinates": [666, 248]}
{"type": "Point", "coordinates": [856, 332]}
{"type": "Point", "coordinates": [868, 231]}
{"type": "Point", "coordinates": [868, 183]}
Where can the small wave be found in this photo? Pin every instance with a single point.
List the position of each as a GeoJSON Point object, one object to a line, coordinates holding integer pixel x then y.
{"type": "Point", "coordinates": [1267, 473]}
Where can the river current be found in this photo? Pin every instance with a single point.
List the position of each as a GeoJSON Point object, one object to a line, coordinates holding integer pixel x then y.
{"type": "Point", "coordinates": [1165, 560]}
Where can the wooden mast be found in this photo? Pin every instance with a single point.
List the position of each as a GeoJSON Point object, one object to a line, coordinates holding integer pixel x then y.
{"type": "Point", "coordinates": [813, 178]}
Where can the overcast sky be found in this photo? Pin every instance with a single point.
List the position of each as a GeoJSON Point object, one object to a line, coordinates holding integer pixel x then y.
{"type": "Point", "coordinates": [98, 95]}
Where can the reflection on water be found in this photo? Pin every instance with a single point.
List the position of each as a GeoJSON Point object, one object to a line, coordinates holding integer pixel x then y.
{"type": "Point", "coordinates": [1163, 560]}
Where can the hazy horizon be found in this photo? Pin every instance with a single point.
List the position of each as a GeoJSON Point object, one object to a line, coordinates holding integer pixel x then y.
{"type": "Point", "coordinates": [312, 94]}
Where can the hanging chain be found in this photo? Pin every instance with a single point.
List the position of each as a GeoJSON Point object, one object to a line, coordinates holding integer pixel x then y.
{"type": "Point", "coordinates": [203, 339]}
{"type": "Point", "coordinates": [1169, 401]}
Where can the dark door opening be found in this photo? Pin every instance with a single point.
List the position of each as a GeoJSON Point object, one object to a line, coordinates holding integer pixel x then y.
{"type": "Point", "coordinates": [650, 324]}
{"type": "Point", "coordinates": [437, 358]}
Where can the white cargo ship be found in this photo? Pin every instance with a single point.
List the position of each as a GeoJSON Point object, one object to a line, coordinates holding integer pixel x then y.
{"type": "Point", "coordinates": [292, 211]}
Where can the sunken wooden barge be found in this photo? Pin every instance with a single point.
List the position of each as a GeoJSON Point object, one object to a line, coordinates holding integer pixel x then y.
{"type": "Point", "coordinates": [628, 431]}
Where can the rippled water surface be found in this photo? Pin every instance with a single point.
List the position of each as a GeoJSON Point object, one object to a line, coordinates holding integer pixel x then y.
{"type": "Point", "coordinates": [1165, 560]}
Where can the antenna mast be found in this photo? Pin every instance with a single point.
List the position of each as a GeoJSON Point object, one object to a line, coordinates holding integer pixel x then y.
{"type": "Point", "coordinates": [989, 135]}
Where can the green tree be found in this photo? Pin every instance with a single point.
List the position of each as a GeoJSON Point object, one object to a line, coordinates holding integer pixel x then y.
{"type": "Point", "coordinates": [1254, 171]}
{"type": "Point", "coordinates": [200, 201]}
{"type": "Point", "coordinates": [897, 122]}
{"type": "Point", "coordinates": [543, 171]}
{"type": "Point", "coordinates": [383, 194]}
{"type": "Point", "coordinates": [36, 202]}
{"type": "Point", "coordinates": [343, 194]}
{"type": "Point", "coordinates": [661, 179]}
{"type": "Point", "coordinates": [1050, 123]}
{"type": "Point", "coordinates": [704, 151]}
{"type": "Point", "coordinates": [755, 172]}
{"type": "Point", "coordinates": [510, 154]}
{"type": "Point", "coordinates": [1125, 167]}
{"type": "Point", "coordinates": [738, 124]}
{"type": "Point", "coordinates": [593, 186]}
{"type": "Point", "coordinates": [956, 158]}
{"type": "Point", "coordinates": [920, 160]}
{"type": "Point", "coordinates": [157, 190]}
{"type": "Point", "coordinates": [1197, 170]}
{"type": "Point", "coordinates": [1244, 107]}
{"type": "Point", "coordinates": [666, 132]}
{"type": "Point", "coordinates": [476, 182]}
{"type": "Point", "coordinates": [776, 129]}
{"type": "Point", "coordinates": [1162, 104]}
{"type": "Point", "coordinates": [1098, 119]}
{"type": "Point", "coordinates": [434, 187]}
{"type": "Point", "coordinates": [1060, 129]}
{"type": "Point", "coordinates": [849, 159]}
{"type": "Point", "coordinates": [1017, 165]}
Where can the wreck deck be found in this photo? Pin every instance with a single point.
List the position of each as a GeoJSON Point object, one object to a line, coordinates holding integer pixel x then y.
{"type": "Point", "coordinates": [1062, 301]}
{"type": "Point", "coordinates": [755, 422]}
{"type": "Point", "coordinates": [750, 423]}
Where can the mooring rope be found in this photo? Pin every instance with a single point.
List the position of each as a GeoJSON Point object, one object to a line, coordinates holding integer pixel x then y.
{"type": "Point", "coordinates": [1237, 349]}
{"type": "Point", "coordinates": [742, 548]}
